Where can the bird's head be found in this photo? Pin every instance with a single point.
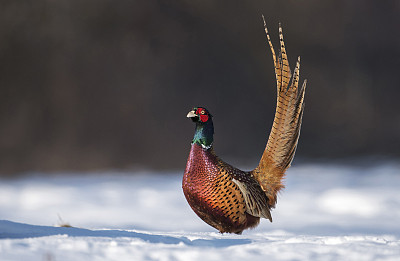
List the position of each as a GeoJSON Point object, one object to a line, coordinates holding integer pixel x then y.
{"type": "Point", "coordinates": [199, 115]}
{"type": "Point", "coordinates": [204, 127]}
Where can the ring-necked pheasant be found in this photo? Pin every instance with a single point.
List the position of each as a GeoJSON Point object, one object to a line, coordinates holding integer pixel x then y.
{"type": "Point", "coordinates": [230, 199]}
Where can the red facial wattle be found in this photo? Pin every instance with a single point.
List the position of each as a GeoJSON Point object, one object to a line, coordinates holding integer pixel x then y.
{"type": "Point", "coordinates": [202, 114]}
{"type": "Point", "coordinates": [204, 118]}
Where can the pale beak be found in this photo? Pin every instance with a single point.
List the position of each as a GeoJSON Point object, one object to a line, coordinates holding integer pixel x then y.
{"type": "Point", "coordinates": [191, 114]}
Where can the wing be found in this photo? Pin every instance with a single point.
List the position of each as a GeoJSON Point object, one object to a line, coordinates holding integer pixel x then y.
{"type": "Point", "coordinates": [255, 200]}
{"type": "Point", "coordinates": [284, 135]}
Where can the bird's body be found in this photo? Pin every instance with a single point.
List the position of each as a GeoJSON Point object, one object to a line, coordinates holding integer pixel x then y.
{"type": "Point", "coordinates": [232, 200]}
{"type": "Point", "coordinates": [210, 189]}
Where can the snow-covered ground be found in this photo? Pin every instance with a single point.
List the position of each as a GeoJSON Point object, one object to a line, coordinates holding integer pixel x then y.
{"type": "Point", "coordinates": [326, 212]}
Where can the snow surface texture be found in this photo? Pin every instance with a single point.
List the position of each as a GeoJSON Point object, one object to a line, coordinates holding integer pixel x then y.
{"type": "Point", "coordinates": [326, 212]}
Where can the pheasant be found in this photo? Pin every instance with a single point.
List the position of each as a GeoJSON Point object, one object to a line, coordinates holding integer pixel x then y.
{"type": "Point", "coordinates": [232, 200]}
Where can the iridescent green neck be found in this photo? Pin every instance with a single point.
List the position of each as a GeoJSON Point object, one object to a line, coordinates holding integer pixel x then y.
{"type": "Point", "coordinates": [204, 134]}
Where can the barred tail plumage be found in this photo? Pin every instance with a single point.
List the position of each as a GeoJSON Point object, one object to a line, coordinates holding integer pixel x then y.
{"type": "Point", "coordinates": [284, 136]}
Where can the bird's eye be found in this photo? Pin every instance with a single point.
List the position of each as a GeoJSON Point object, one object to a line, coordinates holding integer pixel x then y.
{"type": "Point", "coordinates": [203, 112]}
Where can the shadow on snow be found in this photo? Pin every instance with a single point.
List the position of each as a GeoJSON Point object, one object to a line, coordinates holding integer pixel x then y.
{"type": "Point", "coordinates": [14, 230]}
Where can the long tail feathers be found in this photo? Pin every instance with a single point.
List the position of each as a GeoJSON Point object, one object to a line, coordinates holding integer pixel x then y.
{"type": "Point", "coordinates": [285, 131]}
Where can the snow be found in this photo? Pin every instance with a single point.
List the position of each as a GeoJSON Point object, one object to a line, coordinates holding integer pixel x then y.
{"type": "Point", "coordinates": [326, 212]}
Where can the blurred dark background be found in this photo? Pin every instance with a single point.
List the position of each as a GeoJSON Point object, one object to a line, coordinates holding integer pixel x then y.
{"type": "Point", "coordinates": [100, 84]}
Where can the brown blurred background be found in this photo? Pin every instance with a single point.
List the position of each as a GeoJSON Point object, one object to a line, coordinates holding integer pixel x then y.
{"type": "Point", "coordinates": [100, 84]}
